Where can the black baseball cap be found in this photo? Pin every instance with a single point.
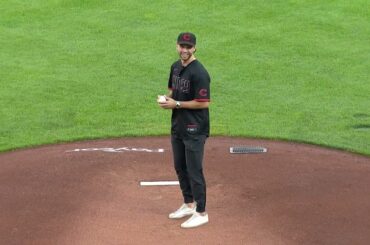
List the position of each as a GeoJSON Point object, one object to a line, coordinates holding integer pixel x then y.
{"type": "Point", "coordinates": [187, 38]}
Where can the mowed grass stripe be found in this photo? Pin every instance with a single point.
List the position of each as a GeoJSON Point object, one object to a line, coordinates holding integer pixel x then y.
{"type": "Point", "coordinates": [92, 69]}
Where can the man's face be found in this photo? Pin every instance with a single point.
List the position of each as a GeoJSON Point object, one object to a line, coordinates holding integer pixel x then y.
{"type": "Point", "coordinates": [185, 51]}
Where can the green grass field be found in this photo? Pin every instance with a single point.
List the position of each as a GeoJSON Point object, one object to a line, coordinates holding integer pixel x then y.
{"type": "Point", "coordinates": [79, 69]}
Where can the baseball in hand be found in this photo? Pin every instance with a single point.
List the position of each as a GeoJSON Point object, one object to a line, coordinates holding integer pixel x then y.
{"type": "Point", "coordinates": [162, 99]}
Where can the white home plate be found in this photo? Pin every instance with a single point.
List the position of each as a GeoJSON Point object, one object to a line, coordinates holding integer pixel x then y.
{"type": "Point", "coordinates": [155, 183]}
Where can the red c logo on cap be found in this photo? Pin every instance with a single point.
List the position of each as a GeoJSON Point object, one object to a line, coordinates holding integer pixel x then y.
{"type": "Point", "coordinates": [186, 37]}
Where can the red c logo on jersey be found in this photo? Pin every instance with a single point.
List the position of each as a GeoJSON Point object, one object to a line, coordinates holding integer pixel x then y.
{"type": "Point", "coordinates": [203, 92]}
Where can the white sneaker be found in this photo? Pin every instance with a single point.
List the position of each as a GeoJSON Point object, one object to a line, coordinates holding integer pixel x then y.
{"type": "Point", "coordinates": [195, 220]}
{"type": "Point", "coordinates": [183, 211]}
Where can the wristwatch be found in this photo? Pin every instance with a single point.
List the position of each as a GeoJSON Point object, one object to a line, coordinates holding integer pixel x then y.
{"type": "Point", "coordinates": [178, 104]}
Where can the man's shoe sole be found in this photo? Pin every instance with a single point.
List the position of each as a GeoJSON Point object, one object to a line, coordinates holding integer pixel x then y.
{"type": "Point", "coordinates": [180, 217]}
{"type": "Point", "coordinates": [195, 226]}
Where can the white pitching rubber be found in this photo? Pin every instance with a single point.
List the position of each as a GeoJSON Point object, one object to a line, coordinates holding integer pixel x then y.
{"type": "Point", "coordinates": [158, 183]}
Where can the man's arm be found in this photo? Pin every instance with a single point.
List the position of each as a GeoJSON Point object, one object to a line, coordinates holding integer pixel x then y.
{"type": "Point", "coordinates": [192, 104]}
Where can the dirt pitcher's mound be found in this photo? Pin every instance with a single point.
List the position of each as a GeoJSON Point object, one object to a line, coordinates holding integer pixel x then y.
{"type": "Point", "coordinates": [89, 193]}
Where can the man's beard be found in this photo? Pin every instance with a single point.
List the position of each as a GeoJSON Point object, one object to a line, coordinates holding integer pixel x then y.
{"type": "Point", "coordinates": [185, 56]}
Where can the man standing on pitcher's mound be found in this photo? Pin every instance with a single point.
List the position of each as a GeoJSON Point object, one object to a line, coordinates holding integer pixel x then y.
{"type": "Point", "coordinates": [189, 97]}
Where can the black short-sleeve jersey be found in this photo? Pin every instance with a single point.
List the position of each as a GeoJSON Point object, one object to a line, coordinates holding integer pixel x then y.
{"type": "Point", "coordinates": [189, 83]}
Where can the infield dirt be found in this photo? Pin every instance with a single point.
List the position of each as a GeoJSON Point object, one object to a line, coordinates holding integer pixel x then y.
{"type": "Point", "coordinates": [84, 193]}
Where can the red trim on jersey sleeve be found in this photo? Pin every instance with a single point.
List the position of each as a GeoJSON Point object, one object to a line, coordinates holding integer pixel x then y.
{"type": "Point", "coordinates": [202, 100]}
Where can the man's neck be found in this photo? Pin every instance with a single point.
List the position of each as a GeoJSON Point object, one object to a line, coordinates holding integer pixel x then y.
{"type": "Point", "coordinates": [188, 61]}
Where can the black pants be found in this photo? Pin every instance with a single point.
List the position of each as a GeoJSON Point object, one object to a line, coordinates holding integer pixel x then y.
{"type": "Point", "coordinates": [188, 157]}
